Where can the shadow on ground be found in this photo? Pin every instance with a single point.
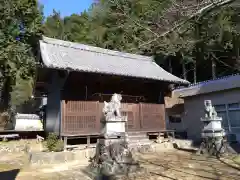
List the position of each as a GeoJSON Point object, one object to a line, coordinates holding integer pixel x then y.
{"type": "Point", "coordinates": [191, 150]}
{"type": "Point", "coordinates": [9, 175]}
{"type": "Point", "coordinates": [93, 173]}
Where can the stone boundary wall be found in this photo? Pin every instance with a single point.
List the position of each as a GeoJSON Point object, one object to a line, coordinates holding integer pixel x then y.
{"type": "Point", "coordinates": [60, 157]}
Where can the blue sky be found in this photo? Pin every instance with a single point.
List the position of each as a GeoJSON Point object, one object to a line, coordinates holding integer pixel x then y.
{"type": "Point", "coordinates": [66, 7]}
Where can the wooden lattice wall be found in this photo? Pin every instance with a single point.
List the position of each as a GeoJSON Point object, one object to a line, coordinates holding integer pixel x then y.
{"type": "Point", "coordinates": [83, 117]}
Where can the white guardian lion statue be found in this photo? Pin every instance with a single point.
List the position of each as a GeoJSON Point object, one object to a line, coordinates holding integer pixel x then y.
{"type": "Point", "coordinates": [210, 111]}
{"type": "Point", "coordinates": [111, 110]}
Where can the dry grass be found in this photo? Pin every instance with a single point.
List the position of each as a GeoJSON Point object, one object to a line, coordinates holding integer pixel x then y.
{"type": "Point", "coordinates": [236, 159]}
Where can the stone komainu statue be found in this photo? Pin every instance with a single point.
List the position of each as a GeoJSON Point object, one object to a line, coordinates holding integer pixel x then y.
{"type": "Point", "coordinates": [112, 109]}
{"type": "Point", "coordinates": [210, 111]}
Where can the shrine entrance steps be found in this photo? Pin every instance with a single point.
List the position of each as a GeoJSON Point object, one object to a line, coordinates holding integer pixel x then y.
{"type": "Point", "coordinates": [138, 138]}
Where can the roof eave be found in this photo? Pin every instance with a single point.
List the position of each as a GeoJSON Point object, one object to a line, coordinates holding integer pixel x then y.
{"type": "Point", "coordinates": [123, 75]}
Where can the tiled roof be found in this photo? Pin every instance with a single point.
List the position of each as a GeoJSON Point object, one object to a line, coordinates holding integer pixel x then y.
{"type": "Point", "coordinates": [78, 57]}
{"type": "Point", "coordinates": [221, 84]}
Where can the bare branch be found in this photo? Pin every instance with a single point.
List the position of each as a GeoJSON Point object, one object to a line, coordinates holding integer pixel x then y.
{"type": "Point", "coordinates": [201, 12]}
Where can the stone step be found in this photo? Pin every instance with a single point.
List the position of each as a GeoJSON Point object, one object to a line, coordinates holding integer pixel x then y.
{"type": "Point", "coordinates": [143, 141]}
{"type": "Point", "coordinates": [138, 137]}
{"type": "Point", "coordinates": [80, 146]}
{"type": "Point", "coordinates": [139, 140]}
{"type": "Point", "coordinates": [136, 133]}
{"type": "Point", "coordinates": [139, 144]}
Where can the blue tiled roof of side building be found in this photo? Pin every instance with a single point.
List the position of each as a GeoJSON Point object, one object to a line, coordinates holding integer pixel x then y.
{"type": "Point", "coordinates": [208, 81]}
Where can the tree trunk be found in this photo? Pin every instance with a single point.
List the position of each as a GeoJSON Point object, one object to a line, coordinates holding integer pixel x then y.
{"type": "Point", "coordinates": [183, 67]}
{"type": "Point", "coordinates": [170, 65]}
{"type": "Point", "coordinates": [6, 89]}
{"type": "Point", "coordinates": [238, 60]}
{"type": "Point", "coordinates": [213, 68]}
{"type": "Point", "coordinates": [237, 57]}
{"type": "Point", "coordinates": [183, 63]}
{"type": "Point", "coordinates": [184, 71]}
{"type": "Point", "coordinates": [198, 53]}
{"type": "Point", "coordinates": [195, 71]}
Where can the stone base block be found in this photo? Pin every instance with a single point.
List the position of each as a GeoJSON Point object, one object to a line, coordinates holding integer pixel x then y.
{"type": "Point", "coordinates": [113, 135]}
{"type": "Point", "coordinates": [113, 127]}
{"type": "Point", "coordinates": [219, 134]}
{"type": "Point", "coordinates": [107, 142]}
{"type": "Point", "coordinates": [39, 158]}
{"type": "Point", "coordinates": [211, 119]}
{"type": "Point", "coordinates": [50, 157]}
{"type": "Point", "coordinates": [183, 143]}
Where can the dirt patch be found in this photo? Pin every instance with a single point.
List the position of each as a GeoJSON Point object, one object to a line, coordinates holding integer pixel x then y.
{"type": "Point", "coordinates": [21, 145]}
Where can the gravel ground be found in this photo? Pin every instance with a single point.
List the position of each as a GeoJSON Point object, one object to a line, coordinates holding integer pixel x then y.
{"type": "Point", "coordinates": [164, 164]}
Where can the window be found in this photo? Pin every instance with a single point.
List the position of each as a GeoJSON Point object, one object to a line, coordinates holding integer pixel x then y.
{"type": "Point", "coordinates": [234, 114]}
{"type": "Point", "coordinates": [233, 106]}
{"type": "Point", "coordinates": [221, 111]}
{"type": "Point", "coordinates": [224, 118]}
{"type": "Point", "coordinates": [234, 117]}
{"type": "Point", "coordinates": [231, 116]}
{"type": "Point", "coordinates": [175, 119]}
{"type": "Point", "coordinates": [220, 107]}
{"type": "Point", "coordinates": [235, 130]}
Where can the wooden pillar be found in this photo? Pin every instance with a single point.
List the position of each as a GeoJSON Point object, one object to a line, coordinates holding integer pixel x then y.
{"type": "Point", "coordinates": [65, 143]}
{"type": "Point", "coordinates": [88, 141]}
{"type": "Point", "coordinates": [53, 115]}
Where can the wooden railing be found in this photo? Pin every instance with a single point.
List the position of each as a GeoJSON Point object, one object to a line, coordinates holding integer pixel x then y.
{"type": "Point", "coordinates": [83, 117]}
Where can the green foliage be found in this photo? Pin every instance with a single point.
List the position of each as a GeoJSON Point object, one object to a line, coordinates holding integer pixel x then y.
{"type": "Point", "coordinates": [20, 30]}
{"type": "Point", "coordinates": [121, 25]}
{"type": "Point", "coordinates": [127, 25]}
{"type": "Point", "coordinates": [74, 28]}
{"type": "Point", "coordinates": [53, 143]}
{"type": "Point", "coordinates": [22, 90]}
{"type": "Point", "coordinates": [169, 28]}
{"type": "Point", "coordinates": [165, 29]}
{"type": "Point", "coordinates": [54, 26]}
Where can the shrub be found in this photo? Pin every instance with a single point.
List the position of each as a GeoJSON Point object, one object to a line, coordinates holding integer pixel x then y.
{"type": "Point", "coordinates": [53, 143]}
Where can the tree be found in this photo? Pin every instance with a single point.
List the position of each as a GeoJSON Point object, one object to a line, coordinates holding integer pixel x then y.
{"type": "Point", "coordinates": [73, 28]}
{"type": "Point", "coordinates": [54, 26]}
{"type": "Point", "coordinates": [183, 36]}
{"type": "Point", "coordinates": [78, 27]}
{"type": "Point", "coordinates": [152, 27]}
{"type": "Point", "coordinates": [20, 30]}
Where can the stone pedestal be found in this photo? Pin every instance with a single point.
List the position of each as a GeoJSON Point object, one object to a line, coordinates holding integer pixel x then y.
{"type": "Point", "coordinates": [212, 127]}
{"type": "Point", "coordinates": [213, 134]}
{"type": "Point", "coordinates": [113, 128]}
{"type": "Point", "coordinates": [212, 123]}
